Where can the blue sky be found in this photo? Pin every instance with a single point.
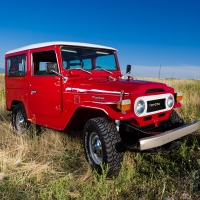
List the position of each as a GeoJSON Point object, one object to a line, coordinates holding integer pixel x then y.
{"type": "Point", "coordinates": [147, 33]}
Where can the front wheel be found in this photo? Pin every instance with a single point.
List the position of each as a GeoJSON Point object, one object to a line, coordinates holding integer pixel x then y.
{"type": "Point", "coordinates": [103, 145]}
{"type": "Point", "coordinates": [19, 119]}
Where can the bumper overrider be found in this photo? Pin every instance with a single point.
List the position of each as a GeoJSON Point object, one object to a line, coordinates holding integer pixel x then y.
{"type": "Point", "coordinates": [168, 136]}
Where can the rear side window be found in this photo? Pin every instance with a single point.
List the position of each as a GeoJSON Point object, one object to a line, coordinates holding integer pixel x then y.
{"type": "Point", "coordinates": [17, 65]}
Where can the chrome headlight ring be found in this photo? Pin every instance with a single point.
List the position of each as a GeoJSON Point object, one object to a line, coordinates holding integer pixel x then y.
{"type": "Point", "coordinates": [170, 101]}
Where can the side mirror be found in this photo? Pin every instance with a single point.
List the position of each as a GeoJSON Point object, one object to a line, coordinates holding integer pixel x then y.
{"type": "Point", "coordinates": [128, 69]}
{"type": "Point", "coordinates": [51, 68]}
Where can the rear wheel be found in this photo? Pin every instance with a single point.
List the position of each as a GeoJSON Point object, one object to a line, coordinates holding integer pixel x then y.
{"type": "Point", "coordinates": [19, 119]}
{"type": "Point", "coordinates": [103, 145]}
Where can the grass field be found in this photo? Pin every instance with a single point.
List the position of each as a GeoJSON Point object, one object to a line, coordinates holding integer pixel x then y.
{"type": "Point", "coordinates": [53, 165]}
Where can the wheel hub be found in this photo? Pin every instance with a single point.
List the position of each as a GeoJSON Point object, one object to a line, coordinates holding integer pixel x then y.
{"type": "Point", "coordinates": [95, 148]}
{"type": "Point", "coordinates": [20, 122]}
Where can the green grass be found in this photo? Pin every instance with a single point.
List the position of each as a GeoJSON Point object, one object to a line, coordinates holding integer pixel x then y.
{"type": "Point", "coordinates": [53, 165]}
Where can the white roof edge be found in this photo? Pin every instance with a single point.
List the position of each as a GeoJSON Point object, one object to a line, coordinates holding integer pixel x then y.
{"type": "Point", "coordinates": [45, 44]}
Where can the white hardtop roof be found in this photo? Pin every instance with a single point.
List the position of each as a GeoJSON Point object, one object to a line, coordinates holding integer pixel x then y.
{"type": "Point", "coordinates": [45, 44]}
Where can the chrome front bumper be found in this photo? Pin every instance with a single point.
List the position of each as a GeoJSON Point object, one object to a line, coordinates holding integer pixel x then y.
{"type": "Point", "coordinates": [168, 136]}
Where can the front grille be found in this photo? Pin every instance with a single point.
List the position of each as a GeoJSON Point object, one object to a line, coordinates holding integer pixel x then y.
{"type": "Point", "coordinates": [155, 105]}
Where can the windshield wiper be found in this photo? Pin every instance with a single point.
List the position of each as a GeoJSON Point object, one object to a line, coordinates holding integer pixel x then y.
{"type": "Point", "coordinates": [82, 70]}
{"type": "Point", "coordinates": [104, 69]}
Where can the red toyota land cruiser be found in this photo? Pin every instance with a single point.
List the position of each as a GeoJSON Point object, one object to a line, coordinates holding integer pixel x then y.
{"type": "Point", "coordinates": [67, 85]}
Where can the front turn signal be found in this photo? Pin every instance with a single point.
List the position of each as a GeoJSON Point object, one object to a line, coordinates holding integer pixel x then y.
{"type": "Point", "coordinates": [178, 96]}
{"type": "Point", "coordinates": [124, 105]}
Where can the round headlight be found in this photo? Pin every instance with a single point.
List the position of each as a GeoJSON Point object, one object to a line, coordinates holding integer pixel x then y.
{"type": "Point", "coordinates": [170, 101]}
{"type": "Point", "coordinates": [139, 107]}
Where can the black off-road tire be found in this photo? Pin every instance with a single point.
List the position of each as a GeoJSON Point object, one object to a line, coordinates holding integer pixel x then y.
{"type": "Point", "coordinates": [175, 119]}
{"type": "Point", "coordinates": [103, 145]}
{"type": "Point", "coordinates": [19, 119]}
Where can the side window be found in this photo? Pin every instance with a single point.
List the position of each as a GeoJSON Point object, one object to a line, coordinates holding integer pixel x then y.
{"type": "Point", "coordinates": [17, 65]}
{"type": "Point", "coordinates": [40, 60]}
{"type": "Point", "coordinates": [42, 66]}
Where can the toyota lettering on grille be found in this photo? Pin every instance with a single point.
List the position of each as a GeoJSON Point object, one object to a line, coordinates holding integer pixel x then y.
{"type": "Point", "coordinates": [154, 104]}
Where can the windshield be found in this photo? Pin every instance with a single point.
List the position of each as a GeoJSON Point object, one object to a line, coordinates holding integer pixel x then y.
{"type": "Point", "coordinates": [87, 58]}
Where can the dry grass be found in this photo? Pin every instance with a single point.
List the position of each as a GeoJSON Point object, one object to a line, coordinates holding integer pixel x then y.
{"type": "Point", "coordinates": [2, 81]}
{"type": "Point", "coordinates": [29, 154]}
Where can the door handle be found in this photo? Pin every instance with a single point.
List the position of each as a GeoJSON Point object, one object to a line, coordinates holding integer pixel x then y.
{"type": "Point", "coordinates": [33, 91]}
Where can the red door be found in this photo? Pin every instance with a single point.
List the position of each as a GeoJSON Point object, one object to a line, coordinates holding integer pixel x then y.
{"type": "Point", "coordinates": [45, 89]}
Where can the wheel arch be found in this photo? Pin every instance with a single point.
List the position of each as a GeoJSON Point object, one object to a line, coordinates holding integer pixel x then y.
{"type": "Point", "coordinates": [82, 115]}
{"type": "Point", "coordinates": [14, 103]}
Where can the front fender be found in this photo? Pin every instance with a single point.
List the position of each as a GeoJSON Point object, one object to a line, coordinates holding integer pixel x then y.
{"type": "Point", "coordinates": [107, 108]}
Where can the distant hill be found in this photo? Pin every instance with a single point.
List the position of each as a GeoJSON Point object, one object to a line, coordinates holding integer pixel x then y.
{"type": "Point", "coordinates": [2, 70]}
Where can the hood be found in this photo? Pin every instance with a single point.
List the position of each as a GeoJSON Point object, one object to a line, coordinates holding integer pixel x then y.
{"type": "Point", "coordinates": [115, 87]}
